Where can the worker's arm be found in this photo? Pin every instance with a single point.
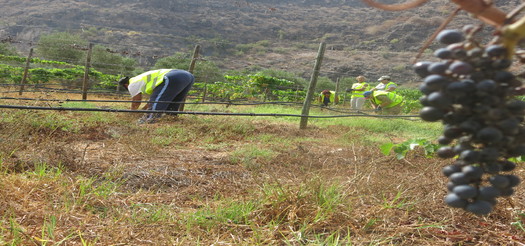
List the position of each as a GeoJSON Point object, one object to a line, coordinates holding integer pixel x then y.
{"type": "Point", "coordinates": [137, 98]}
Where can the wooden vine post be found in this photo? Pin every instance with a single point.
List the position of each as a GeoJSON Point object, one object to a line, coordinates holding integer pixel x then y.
{"type": "Point", "coordinates": [337, 91]}
{"type": "Point", "coordinates": [311, 88]}
{"type": "Point", "coordinates": [205, 89]}
{"type": "Point", "coordinates": [86, 72]}
{"type": "Point", "coordinates": [194, 58]}
{"type": "Point", "coordinates": [26, 69]}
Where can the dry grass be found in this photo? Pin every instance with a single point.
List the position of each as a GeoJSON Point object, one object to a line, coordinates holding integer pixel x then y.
{"type": "Point", "coordinates": [223, 182]}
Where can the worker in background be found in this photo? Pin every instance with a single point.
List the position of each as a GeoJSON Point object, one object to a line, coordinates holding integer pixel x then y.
{"type": "Point", "coordinates": [385, 84]}
{"type": "Point", "coordinates": [328, 97]}
{"type": "Point", "coordinates": [357, 100]}
{"type": "Point", "coordinates": [163, 86]}
{"type": "Point", "coordinates": [384, 102]}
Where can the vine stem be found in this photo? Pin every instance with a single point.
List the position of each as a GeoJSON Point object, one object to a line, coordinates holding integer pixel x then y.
{"type": "Point", "coordinates": [395, 7]}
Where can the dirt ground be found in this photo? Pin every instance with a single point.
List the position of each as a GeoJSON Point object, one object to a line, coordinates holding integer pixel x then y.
{"type": "Point", "coordinates": [387, 201]}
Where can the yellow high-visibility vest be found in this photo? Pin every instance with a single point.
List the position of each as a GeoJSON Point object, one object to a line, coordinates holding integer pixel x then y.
{"type": "Point", "coordinates": [359, 86]}
{"type": "Point", "coordinates": [332, 97]}
{"type": "Point", "coordinates": [389, 84]}
{"type": "Point", "coordinates": [394, 97]}
{"type": "Point", "coordinates": [151, 79]}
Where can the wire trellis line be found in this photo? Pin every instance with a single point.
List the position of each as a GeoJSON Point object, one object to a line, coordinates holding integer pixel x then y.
{"type": "Point", "coordinates": [130, 101]}
{"type": "Point", "coordinates": [199, 113]}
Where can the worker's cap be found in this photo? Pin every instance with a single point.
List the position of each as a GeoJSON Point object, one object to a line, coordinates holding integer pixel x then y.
{"type": "Point", "coordinates": [123, 81]}
{"type": "Point", "coordinates": [367, 93]}
{"type": "Point", "coordinates": [384, 77]}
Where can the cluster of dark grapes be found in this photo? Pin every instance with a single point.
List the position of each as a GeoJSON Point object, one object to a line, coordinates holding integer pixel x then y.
{"type": "Point", "coordinates": [472, 93]}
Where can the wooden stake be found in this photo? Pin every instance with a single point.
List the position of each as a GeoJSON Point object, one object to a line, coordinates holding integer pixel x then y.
{"type": "Point", "coordinates": [196, 52]}
{"type": "Point", "coordinates": [26, 69]}
{"type": "Point", "coordinates": [86, 72]}
{"type": "Point", "coordinates": [311, 88]}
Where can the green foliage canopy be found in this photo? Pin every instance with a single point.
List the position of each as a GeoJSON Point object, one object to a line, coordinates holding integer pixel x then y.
{"type": "Point", "coordinates": [205, 71]}
{"type": "Point", "coordinates": [62, 46]}
{"type": "Point", "coordinates": [111, 63]}
{"type": "Point", "coordinates": [7, 49]}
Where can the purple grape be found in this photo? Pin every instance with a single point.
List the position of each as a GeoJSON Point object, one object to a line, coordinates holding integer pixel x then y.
{"type": "Point", "coordinates": [470, 156]}
{"type": "Point", "coordinates": [421, 69]}
{"type": "Point", "coordinates": [501, 64]}
{"type": "Point", "coordinates": [444, 140]}
{"type": "Point", "coordinates": [479, 207]}
{"type": "Point", "coordinates": [489, 135]}
{"type": "Point", "coordinates": [507, 191]}
{"type": "Point", "coordinates": [465, 191]}
{"type": "Point", "coordinates": [450, 36]}
{"type": "Point", "coordinates": [438, 67]}
{"type": "Point", "coordinates": [489, 154]}
{"type": "Point", "coordinates": [496, 50]}
{"type": "Point", "coordinates": [431, 114]}
{"type": "Point", "coordinates": [459, 178]}
{"type": "Point", "coordinates": [450, 169]}
{"type": "Point", "coordinates": [503, 76]}
{"type": "Point", "coordinates": [472, 172]}
{"type": "Point", "coordinates": [513, 180]}
{"type": "Point", "coordinates": [460, 67]}
{"type": "Point", "coordinates": [439, 100]}
{"type": "Point", "coordinates": [455, 201]}
{"type": "Point", "coordinates": [507, 166]}
{"type": "Point", "coordinates": [488, 192]}
{"type": "Point", "coordinates": [445, 152]}
{"type": "Point", "coordinates": [499, 181]}
{"type": "Point", "coordinates": [436, 82]}
{"type": "Point", "coordinates": [487, 85]}
{"type": "Point", "coordinates": [443, 53]}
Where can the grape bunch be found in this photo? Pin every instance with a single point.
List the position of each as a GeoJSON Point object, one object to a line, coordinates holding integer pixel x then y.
{"type": "Point", "coordinates": [470, 90]}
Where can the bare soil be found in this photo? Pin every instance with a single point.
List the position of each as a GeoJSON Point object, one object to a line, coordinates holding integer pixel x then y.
{"type": "Point", "coordinates": [386, 201]}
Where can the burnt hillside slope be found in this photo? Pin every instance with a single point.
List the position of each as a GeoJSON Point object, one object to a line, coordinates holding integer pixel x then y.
{"type": "Point", "coordinates": [365, 40]}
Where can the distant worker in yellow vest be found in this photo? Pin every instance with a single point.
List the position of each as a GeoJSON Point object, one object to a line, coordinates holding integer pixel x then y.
{"type": "Point", "coordinates": [167, 89]}
{"type": "Point", "coordinates": [385, 102]}
{"type": "Point", "coordinates": [357, 100]}
{"type": "Point", "coordinates": [328, 97]}
{"type": "Point", "coordinates": [385, 84]}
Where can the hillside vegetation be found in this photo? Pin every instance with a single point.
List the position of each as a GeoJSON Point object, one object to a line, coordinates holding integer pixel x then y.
{"type": "Point", "coordinates": [243, 34]}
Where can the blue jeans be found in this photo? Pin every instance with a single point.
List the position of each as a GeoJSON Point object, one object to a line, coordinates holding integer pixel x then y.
{"type": "Point", "coordinates": [174, 88]}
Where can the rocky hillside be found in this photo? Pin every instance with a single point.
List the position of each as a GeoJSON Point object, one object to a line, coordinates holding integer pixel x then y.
{"type": "Point", "coordinates": [238, 34]}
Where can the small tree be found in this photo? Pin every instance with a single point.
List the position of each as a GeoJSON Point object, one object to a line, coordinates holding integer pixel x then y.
{"type": "Point", "coordinates": [297, 80]}
{"type": "Point", "coordinates": [110, 63]}
{"type": "Point", "coordinates": [325, 83]}
{"type": "Point", "coordinates": [7, 49]}
{"type": "Point", "coordinates": [62, 46]}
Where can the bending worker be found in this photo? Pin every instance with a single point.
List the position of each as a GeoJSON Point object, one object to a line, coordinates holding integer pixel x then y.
{"type": "Point", "coordinates": [358, 100]}
{"type": "Point", "coordinates": [385, 84]}
{"type": "Point", "coordinates": [163, 86]}
{"type": "Point", "coordinates": [328, 97]}
{"type": "Point", "coordinates": [385, 102]}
